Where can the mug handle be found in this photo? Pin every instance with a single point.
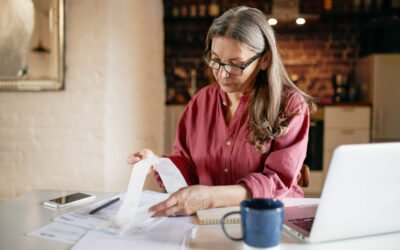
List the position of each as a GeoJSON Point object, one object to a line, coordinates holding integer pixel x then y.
{"type": "Point", "coordinates": [222, 221]}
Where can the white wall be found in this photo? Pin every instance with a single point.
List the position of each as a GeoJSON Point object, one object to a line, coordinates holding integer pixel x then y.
{"type": "Point", "coordinates": [135, 85]}
{"type": "Point", "coordinates": [113, 103]}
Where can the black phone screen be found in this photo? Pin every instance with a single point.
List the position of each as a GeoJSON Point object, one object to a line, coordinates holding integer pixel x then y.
{"type": "Point", "coordinates": [70, 198]}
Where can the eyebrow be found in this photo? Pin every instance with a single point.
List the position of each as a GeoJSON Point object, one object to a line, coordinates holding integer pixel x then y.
{"type": "Point", "coordinates": [230, 59]}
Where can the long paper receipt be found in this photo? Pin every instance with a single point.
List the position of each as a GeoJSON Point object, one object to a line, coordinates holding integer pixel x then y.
{"type": "Point", "coordinates": [130, 215]}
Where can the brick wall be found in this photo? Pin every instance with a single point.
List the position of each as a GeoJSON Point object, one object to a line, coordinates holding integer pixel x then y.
{"type": "Point", "coordinates": [78, 138]}
{"type": "Point", "coordinates": [317, 51]}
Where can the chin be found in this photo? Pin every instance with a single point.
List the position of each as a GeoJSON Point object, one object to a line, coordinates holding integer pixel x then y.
{"type": "Point", "coordinates": [228, 88]}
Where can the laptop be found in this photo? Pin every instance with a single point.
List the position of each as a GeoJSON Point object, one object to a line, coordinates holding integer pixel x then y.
{"type": "Point", "coordinates": [360, 197]}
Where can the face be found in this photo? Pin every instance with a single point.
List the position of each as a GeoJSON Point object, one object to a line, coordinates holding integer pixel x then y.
{"type": "Point", "coordinates": [229, 51]}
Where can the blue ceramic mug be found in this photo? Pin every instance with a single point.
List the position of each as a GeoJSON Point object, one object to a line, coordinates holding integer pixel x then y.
{"type": "Point", "coordinates": [261, 221]}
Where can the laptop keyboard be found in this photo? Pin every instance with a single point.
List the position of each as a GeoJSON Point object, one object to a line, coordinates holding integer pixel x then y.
{"type": "Point", "coordinates": [304, 223]}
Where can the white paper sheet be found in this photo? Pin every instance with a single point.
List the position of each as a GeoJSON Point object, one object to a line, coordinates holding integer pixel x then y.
{"type": "Point", "coordinates": [129, 215]}
{"type": "Point", "coordinates": [81, 217]}
{"type": "Point", "coordinates": [290, 202]}
{"type": "Point", "coordinates": [126, 218]}
{"type": "Point", "coordinates": [59, 232]}
{"type": "Point", "coordinates": [126, 215]}
{"type": "Point", "coordinates": [70, 227]}
{"type": "Point", "coordinates": [170, 234]}
{"type": "Point", "coordinates": [170, 175]}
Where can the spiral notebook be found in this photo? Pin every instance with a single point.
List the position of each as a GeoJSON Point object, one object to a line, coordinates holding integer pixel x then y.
{"type": "Point", "coordinates": [214, 215]}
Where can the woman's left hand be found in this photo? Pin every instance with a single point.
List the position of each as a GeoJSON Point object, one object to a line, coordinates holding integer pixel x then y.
{"type": "Point", "coordinates": [185, 201]}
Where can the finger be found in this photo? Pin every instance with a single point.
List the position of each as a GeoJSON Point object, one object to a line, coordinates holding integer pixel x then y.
{"type": "Point", "coordinates": [145, 153]}
{"type": "Point", "coordinates": [132, 159]}
{"type": "Point", "coordinates": [168, 203]}
{"type": "Point", "coordinates": [170, 212]}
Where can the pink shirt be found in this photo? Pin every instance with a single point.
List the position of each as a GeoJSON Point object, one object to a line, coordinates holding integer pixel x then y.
{"type": "Point", "coordinates": [210, 152]}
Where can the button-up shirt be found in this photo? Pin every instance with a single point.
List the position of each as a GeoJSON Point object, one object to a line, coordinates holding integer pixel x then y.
{"type": "Point", "coordinates": [210, 151]}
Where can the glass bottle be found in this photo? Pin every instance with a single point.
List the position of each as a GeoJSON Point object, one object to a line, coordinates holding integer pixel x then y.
{"type": "Point", "coordinates": [213, 8]}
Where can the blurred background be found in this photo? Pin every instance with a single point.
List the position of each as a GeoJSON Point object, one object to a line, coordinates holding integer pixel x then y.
{"type": "Point", "coordinates": [127, 68]}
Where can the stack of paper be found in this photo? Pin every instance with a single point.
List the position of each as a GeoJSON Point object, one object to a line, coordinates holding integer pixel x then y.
{"type": "Point", "coordinates": [88, 231]}
{"type": "Point", "coordinates": [172, 233]}
{"type": "Point", "coordinates": [128, 223]}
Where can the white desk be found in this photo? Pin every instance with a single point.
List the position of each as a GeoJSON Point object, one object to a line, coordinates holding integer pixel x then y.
{"type": "Point", "coordinates": [26, 213]}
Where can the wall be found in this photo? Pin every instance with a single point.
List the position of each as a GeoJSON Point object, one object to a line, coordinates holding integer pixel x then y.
{"type": "Point", "coordinates": [313, 53]}
{"type": "Point", "coordinates": [78, 138]}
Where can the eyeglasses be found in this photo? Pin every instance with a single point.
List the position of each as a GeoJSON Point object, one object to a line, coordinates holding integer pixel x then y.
{"type": "Point", "coordinates": [235, 70]}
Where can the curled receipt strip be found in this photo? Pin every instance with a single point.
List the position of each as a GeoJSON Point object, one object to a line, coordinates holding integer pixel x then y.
{"type": "Point", "coordinates": [130, 215]}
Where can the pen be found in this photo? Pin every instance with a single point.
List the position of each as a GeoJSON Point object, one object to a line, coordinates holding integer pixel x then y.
{"type": "Point", "coordinates": [104, 205]}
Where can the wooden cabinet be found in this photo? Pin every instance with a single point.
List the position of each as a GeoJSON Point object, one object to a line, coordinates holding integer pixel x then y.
{"type": "Point", "coordinates": [342, 125]}
{"type": "Point", "coordinates": [172, 116]}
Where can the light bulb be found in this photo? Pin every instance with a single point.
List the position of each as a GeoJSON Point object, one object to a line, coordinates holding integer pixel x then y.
{"type": "Point", "coordinates": [300, 21]}
{"type": "Point", "coordinates": [272, 21]}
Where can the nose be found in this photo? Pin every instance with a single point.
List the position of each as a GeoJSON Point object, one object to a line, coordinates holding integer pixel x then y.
{"type": "Point", "coordinates": [222, 72]}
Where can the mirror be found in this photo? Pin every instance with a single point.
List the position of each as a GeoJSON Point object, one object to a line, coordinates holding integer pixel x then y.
{"type": "Point", "coordinates": [31, 45]}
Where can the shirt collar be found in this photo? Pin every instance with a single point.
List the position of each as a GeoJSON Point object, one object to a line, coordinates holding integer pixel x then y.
{"type": "Point", "coordinates": [224, 99]}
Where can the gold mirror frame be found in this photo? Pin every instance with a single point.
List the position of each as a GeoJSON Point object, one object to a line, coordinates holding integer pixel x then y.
{"type": "Point", "coordinates": [45, 83]}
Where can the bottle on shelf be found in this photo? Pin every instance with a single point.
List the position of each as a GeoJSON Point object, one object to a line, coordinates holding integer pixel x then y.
{"type": "Point", "coordinates": [175, 11]}
{"type": "Point", "coordinates": [202, 9]}
{"type": "Point", "coordinates": [184, 9]}
{"type": "Point", "coordinates": [193, 6]}
{"type": "Point", "coordinates": [213, 9]}
{"type": "Point", "coordinates": [356, 5]}
{"type": "Point", "coordinates": [327, 5]}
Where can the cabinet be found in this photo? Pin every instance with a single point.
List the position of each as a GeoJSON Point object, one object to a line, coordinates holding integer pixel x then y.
{"type": "Point", "coordinates": [344, 124]}
{"type": "Point", "coordinates": [173, 114]}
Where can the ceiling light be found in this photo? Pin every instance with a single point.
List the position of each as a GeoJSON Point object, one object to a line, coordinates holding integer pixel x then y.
{"type": "Point", "coordinates": [272, 21]}
{"type": "Point", "coordinates": [300, 21]}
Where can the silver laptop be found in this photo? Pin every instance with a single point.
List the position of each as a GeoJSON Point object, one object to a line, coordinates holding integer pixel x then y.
{"type": "Point", "coordinates": [361, 196]}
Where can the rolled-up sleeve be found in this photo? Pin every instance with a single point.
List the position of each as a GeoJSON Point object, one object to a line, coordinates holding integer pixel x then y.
{"type": "Point", "coordinates": [283, 164]}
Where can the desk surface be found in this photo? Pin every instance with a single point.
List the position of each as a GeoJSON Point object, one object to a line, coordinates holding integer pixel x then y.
{"type": "Point", "coordinates": [26, 213]}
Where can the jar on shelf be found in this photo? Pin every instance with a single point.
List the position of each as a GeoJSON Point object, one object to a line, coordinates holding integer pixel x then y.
{"type": "Point", "coordinates": [213, 8]}
{"type": "Point", "coordinates": [202, 9]}
{"type": "Point", "coordinates": [340, 86]}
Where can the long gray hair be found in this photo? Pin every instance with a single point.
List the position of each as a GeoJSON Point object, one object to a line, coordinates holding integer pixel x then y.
{"type": "Point", "coordinates": [250, 27]}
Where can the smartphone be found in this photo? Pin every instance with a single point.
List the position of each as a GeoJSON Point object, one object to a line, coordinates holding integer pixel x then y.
{"type": "Point", "coordinates": [69, 200]}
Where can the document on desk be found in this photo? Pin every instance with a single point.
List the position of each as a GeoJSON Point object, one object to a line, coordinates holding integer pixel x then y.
{"type": "Point", "coordinates": [290, 202]}
{"type": "Point", "coordinates": [59, 232]}
{"type": "Point", "coordinates": [70, 227]}
{"type": "Point", "coordinates": [129, 215]}
{"type": "Point", "coordinates": [170, 234]}
{"type": "Point", "coordinates": [130, 219]}
{"type": "Point", "coordinates": [82, 218]}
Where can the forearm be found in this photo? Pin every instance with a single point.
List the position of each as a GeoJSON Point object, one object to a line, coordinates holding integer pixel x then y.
{"type": "Point", "coordinates": [232, 195]}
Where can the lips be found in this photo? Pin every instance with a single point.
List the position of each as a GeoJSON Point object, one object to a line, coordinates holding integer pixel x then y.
{"type": "Point", "coordinates": [226, 83]}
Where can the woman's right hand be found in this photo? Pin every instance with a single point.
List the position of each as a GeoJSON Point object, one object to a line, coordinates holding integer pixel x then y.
{"type": "Point", "coordinates": [142, 154]}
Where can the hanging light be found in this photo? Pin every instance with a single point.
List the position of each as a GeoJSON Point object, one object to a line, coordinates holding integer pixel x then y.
{"type": "Point", "coordinates": [300, 21]}
{"type": "Point", "coordinates": [272, 21]}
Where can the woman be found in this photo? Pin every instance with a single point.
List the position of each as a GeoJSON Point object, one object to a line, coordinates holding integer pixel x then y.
{"type": "Point", "coordinates": [246, 136]}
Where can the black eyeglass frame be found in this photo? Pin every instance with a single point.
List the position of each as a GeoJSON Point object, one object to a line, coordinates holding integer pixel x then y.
{"type": "Point", "coordinates": [207, 59]}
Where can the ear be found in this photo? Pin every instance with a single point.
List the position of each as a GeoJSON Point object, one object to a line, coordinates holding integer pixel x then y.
{"type": "Point", "coordinates": [265, 60]}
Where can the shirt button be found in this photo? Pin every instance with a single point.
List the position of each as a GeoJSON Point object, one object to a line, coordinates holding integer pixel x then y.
{"type": "Point", "coordinates": [228, 143]}
{"type": "Point", "coordinates": [226, 170]}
